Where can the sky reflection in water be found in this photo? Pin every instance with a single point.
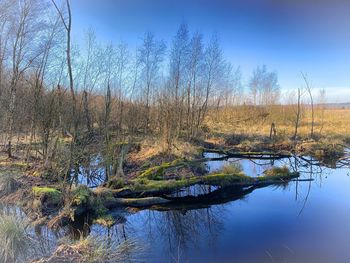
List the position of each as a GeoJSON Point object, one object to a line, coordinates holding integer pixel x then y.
{"type": "Point", "coordinates": [298, 222]}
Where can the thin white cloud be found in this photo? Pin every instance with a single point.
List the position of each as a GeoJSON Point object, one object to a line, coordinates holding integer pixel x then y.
{"type": "Point", "coordinates": [337, 94]}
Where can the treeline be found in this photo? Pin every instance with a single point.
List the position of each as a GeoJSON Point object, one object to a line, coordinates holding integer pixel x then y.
{"type": "Point", "coordinates": [50, 86]}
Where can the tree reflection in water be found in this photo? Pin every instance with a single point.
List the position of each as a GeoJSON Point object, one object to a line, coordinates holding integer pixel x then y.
{"type": "Point", "coordinates": [196, 218]}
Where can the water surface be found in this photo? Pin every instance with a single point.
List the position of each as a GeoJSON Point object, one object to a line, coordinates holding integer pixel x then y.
{"type": "Point", "coordinates": [306, 221]}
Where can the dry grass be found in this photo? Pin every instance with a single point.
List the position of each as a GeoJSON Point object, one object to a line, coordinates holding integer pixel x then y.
{"type": "Point", "coordinates": [95, 250]}
{"type": "Point", "coordinates": [334, 123]}
{"type": "Point", "coordinates": [231, 168]}
{"type": "Point", "coordinates": [153, 147]}
{"type": "Point", "coordinates": [8, 184]}
{"type": "Point", "coordinates": [14, 240]}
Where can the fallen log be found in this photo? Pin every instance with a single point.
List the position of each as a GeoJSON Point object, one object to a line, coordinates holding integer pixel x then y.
{"type": "Point", "coordinates": [250, 155]}
{"type": "Point", "coordinates": [151, 188]}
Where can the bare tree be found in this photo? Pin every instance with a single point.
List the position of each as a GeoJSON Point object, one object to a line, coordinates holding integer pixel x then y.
{"type": "Point", "coordinates": [93, 64]}
{"type": "Point", "coordinates": [4, 39]}
{"type": "Point", "coordinates": [25, 27]}
{"type": "Point", "coordinates": [322, 106]}
{"type": "Point", "coordinates": [264, 86]}
{"type": "Point", "coordinates": [214, 70]}
{"type": "Point", "coordinates": [67, 23]}
{"type": "Point", "coordinates": [308, 89]}
{"type": "Point", "coordinates": [150, 56]}
{"type": "Point", "coordinates": [196, 64]}
{"type": "Point", "coordinates": [40, 69]}
{"type": "Point", "coordinates": [176, 86]}
{"type": "Point", "coordinates": [297, 113]}
{"type": "Point", "coordinates": [4, 53]}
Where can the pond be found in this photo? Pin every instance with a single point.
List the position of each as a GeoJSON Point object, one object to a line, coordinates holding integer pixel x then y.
{"type": "Point", "coordinates": [91, 171]}
{"type": "Point", "coordinates": [302, 221]}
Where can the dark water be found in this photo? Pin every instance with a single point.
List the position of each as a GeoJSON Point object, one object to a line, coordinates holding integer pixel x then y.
{"type": "Point", "coordinates": [305, 221]}
{"type": "Point", "coordinates": [91, 171]}
{"type": "Point", "coordinates": [300, 222]}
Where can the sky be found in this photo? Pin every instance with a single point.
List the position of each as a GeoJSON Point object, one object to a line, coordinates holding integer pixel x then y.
{"type": "Point", "coordinates": [288, 36]}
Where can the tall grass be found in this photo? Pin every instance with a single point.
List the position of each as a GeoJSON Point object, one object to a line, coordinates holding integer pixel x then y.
{"type": "Point", "coordinates": [107, 250]}
{"type": "Point", "coordinates": [96, 250]}
{"type": "Point", "coordinates": [14, 240]}
{"type": "Point", "coordinates": [231, 168]}
{"type": "Point", "coordinates": [8, 185]}
{"type": "Point", "coordinates": [331, 122]}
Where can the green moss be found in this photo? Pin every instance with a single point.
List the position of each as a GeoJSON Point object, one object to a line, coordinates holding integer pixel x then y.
{"type": "Point", "coordinates": [222, 179]}
{"type": "Point", "coordinates": [52, 195]}
{"type": "Point", "coordinates": [157, 185]}
{"type": "Point", "coordinates": [157, 172]}
{"type": "Point", "coordinates": [116, 183]}
{"type": "Point", "coordinates": [39, 190]}
{"type": "Point", "coordinates": [81, 195]}
{"type": "Point", "coordinates": [219, 179]}
{"type": "Point", "coordinates": [152, 179]}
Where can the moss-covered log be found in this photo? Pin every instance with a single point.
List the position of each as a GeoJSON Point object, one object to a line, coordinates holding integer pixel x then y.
{"type": "Point", "coordinates": [142, 187]}
{"type": "Point", "coordinates": [144, 193]}
{"type": "Point", "coordinates": [47, 195]}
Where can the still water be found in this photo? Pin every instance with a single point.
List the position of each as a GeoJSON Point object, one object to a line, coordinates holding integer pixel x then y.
{"type": "Point", "coordinates": [303, 221]}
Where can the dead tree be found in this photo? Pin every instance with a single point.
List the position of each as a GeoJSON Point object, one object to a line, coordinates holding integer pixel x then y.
{"type": "Point", "coordinates": [297, 114]}
{"type": "Point", "coordinates": [68, 26]}
{"type": "Point", "coordinates": [308, 88]}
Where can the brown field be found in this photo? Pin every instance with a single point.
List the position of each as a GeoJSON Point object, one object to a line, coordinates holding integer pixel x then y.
{"type": "Point", "coordinates": [329, 123]}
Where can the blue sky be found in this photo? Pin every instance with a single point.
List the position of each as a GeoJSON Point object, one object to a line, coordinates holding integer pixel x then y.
{"type": "Point", "coordinates": [289, 36]}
